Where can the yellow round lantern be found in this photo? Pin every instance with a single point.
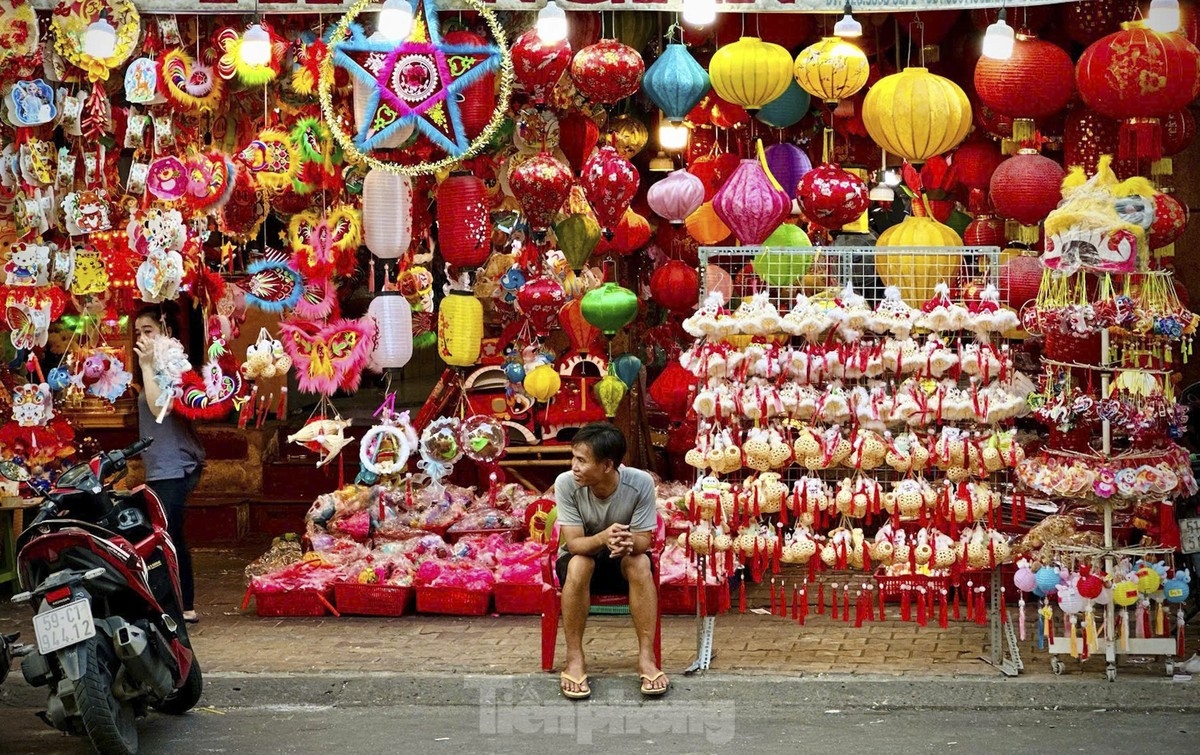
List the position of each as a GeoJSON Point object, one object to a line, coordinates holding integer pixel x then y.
{"type": "Point", "coordinates": [916, 114]}
{"type": "Point", "coordinates": [542, 383]}
{"type": "Point", "coordinates": [704, 226]}
{"type": "Point", "coordinates": [1148, 580]}
{"type": "Point", "coordinates": [628, 135]}
{"type": "Point", "coordinates": [750, 72]}
{"type": "Point", "coordinates": [460, 329]}
{"type": "Point", "coordinates": [916, 275]}
{"type": "Point", "coordinates": [1125, 593]}
{"type": "Point", "coordinates": [832, 69]}
{"type": "Point", "coordinates": [610, 391]}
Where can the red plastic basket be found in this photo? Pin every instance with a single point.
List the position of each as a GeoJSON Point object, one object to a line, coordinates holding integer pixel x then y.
{"type": "Point", "coordinates": [294, 603]}
{"type": "Point", "coordinates": [519, 600]}
{"type": "Point", "coordinates": [1069, 347]}
{"type": "Point", "coordinates": [455, 601]}
{"type": "Point", "coordinates": [892, 586]}
{"type": "Point", "coordinates": [681, 599]}
{"type": "Point", "coordinates": [371, 600]}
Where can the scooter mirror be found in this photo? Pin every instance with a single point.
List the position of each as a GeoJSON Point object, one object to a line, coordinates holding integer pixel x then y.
{"type": "Point", "coordinates": [13, 471]}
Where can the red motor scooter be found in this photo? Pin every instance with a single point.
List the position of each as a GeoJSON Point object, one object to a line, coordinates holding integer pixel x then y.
{"type": "Point", "coordinates": [101, 572]}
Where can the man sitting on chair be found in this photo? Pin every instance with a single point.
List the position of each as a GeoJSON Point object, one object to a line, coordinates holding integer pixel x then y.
{"type": "Point", "coordinates": [606, 518]}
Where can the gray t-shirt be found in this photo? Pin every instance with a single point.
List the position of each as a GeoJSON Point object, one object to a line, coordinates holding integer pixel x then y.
{"type": "Point", "coordinates": [633, 503]}
{"type": "Point", "coordinates": [175, 452]}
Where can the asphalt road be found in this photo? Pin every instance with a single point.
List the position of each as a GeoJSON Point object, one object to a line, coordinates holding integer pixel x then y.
{"type": "Point", "coordinates": [666, 726]}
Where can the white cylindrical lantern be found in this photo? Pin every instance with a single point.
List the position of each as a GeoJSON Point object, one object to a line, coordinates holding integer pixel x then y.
{"type": "Point", "coordinates": [362, 95]}
{"type": "Point", "coordinates": [394, 331]}
{"type": "Point", "coordinates": [387, 213]}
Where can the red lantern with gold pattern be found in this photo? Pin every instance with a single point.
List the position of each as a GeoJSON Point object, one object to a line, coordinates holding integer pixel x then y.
{"type": "Point", "coordinates": [538, 66]}
{"type": "Point", "coordinates": [541, 185]}
{"type": "Point", "coordinates": [540, 300]}
{"type": "Point", "coordinates": [1026, 187]}
{"type": "Point", "coordinates": [673, 389]}
{"type": "Point", "coordinates": [1088, 20]}
{"type": "Point", "coordinates": [1170, 220]}
{"type": "Point", "coordinates": [577, 137]}
{"type": "Point", "coordinates": [607, 71]}
{"type": "Point", "coordinates": [676, 286]}
{"type": "Point", "coordinates": [464, 225]}
{"type": "Point", "coordinates": [1138, 76]}
{"type": "Point", "coordinates": [1178, 129]}
{"type": "Point", "coordinates": [609, 181]}
{"type": "Point", "coordinates": [1036, 81]}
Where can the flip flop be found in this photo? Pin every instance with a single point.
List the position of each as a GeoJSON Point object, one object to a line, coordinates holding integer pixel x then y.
{"type": "Point", "coordinates": [582, 682]}
{"type": "Point", "coordinates": [653, 691]}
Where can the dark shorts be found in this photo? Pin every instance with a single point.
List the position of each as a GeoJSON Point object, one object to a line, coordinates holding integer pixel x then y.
{"type": "Point", "coordinates": [607, 578]}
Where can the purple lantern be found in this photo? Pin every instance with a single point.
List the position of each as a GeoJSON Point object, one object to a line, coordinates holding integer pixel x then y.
{"type": "Point", "coordinates": [750, 204]}
{"type": "Point", "coordinates": [676, 196]}
{"type": "Point", "coordinates": [788, 163]}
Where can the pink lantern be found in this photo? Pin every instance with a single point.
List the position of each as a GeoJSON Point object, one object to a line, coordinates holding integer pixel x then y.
{"type": "Point", "coordinates": [676, 196]}
{"type": "Point", "coordinates": [541, 299]}
{"type": "Point", "coordinates": [750, 204]}
{"type": "Point", "coordinates": [610, 182]}
{"type": "Point", "coordinates": [541, 185]}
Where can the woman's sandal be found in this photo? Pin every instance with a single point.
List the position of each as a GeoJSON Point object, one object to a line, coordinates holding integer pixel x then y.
{"type": "Point", "coordinates": [649, 691]}
{"type": "Point", "coordinates": [584, 691]}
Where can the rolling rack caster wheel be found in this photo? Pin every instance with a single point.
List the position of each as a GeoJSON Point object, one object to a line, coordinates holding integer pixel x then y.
{"type": "Point", "coordinates": [1110, 673]}
{"type": "Point", "coordinates": [1170, 667]}
{"type": "Point", "coordinates": [1056, 665]}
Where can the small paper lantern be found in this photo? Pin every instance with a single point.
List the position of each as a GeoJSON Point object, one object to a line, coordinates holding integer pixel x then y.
{"type": "Point", "coordinates": [627, 367]}
{"type": "Point", "coordinates": [673, 389]}
{"type": "Point", "coordinates": [540, 300]}
{"type": "Point", "coordinates": [1125, 593]}
{"type": "Point", "coordinates": [610, 391]}
{"type": "Point", "coordinates": [832, 197]}
{"type": "Point", "coordinates": [832, 69]}
{"type": "Point", "coordinates": [676, 196]}
{"type": "Point", "coordinates": [1175, 590]}
{"type": "Point", "coordinates": [464, 225]}
{"type": "Point", "coordinates": [675, 82]}
{"type": "Point", "coordinates": [787, 109]}
{"type": "Point", "coordinates": [460, 329]}
{"type": "Point", "coordinates": [1024, 579]}
{"type": "Point", "coordinates": [607, 71]}
{"type": "Point", "coordinates": [984, 230]}
{"type": "Point", "coordinates": [610, 182]}
{"type": "Point", "coordinates": [788, 163]}
{"type": "Point", "coordinates": [537, 66]}
{"type": "Point", "coordinates": [676, 286]}
{"type": "Point", "coordinates": [780, 264]}
{"type": "Point", "coordinates": [1089, 585]}
{"type": "Point", "coordinates": [1048, 578]}
{"type": "Point", "coordinates": [916, 114]}
{"type": "Point", "coordinates": [610, 307]}
{"type": "Point", "coordinates": [393, 330]}
{"type": "Point", "coordinates": [580, 332]}
{"type": "Point", "coordinates": [1148, 580]}
{"type": "Point", "coordinates": [706, 227]}
{"type": "Point", "coordinates": [1036, 81]}
{"type": "Point", "coordinates": [387, 213]}
{"type": "Point", "coordinates": [1026, 187]}
{"type": "Point", "coordinates": [1070, 602]}
{"type": "Point", "coordinates": [542, 383]}
{"type": "Point", "coordinates": [1020, 280]}
{"type": "Point", "coordinates": [750, 72]}
{"type": "Point", "coordinates": [1170, 220]}
{"type": "Point", "coordinates": [577, 138]}
{"type": "Point", "coordinates": [750, 204]}
{"type": "Point", "coordinates": [577, 238]}
{"type": "Point", "coordinates": [975, 162]}
{"type": "Point", "coordinates": [1178, 130]}
{"type": "Point", "coordinates": [541, 185]}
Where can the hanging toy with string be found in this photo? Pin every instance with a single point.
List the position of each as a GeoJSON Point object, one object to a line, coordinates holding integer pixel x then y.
{"type": "Point", "coordinates": [385, 449]}
{"type": "Point", "coordinates": [439, 449]}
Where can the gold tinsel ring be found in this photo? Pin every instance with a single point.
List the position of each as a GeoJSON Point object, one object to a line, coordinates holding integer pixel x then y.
{"type": "Point", "coordinates": [353, 154]}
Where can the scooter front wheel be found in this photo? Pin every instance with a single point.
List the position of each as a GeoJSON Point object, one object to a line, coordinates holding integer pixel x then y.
{"type": "Point", "coordinates": [109, 722]}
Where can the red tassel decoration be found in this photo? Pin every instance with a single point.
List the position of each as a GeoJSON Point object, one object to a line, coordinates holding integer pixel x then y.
{"type": "Point", "coordinates": [859, 610]}
{"type": "Point", "coordinates": [821, 597]}
{"type": "Point", "coordinates": [957, 614]}
{"type": "Point", "coordinates": [804, 606]}
{"type": "Point", "coordinates": [943, 618]}
{"type": "Point", "coordinates": [1003, 607]}
{"type": "Point", "coordinates": [729, 561]}
{"type": "Point", "coordinates": [981, 607]}
{"type": "Point", "coordinates": [783, 604]}
{"type": "Point", "coordinates": [882, 614]}
{"type": "Point", "coordinates": [846, 605]}
{"type": "Point", "coordinates": [795, 603]}
{"type": "Point", "coordinates": [833, 604]}
{"type": "Point", "coordinates": [870, 602]}
{"type": "Point", "coordinates": [742, 592]}
{"type": "Point", "coordinates": [905, 604]}
{"type": "Point", "coordinates": [773, 596]}
{"type": "Point", "coordinates": [921, 618]}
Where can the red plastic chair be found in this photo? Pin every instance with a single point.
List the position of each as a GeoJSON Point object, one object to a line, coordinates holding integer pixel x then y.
{"type": "Point", "coordinates": [552, 599]}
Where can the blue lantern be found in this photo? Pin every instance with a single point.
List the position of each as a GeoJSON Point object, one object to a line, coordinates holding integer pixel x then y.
{"type": "Point", "coordinates": [675, 82]}
{"type": "Point", "coordinates": [58, 378]}
{"type": "Point", "coordinates": [787, 109]}
{"type": "Point", "coordinates": [626, 367]}
{"type": "Point", "coordinates": [1175, 590]}
{"type": "Point", "coordinates": [1047, 578]}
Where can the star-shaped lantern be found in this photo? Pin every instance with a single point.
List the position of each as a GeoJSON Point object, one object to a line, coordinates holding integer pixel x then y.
{"type": "Point", "coordinates": [414, 82]}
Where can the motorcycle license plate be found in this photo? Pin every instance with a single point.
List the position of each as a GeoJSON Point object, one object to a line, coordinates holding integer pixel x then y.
{"type": "Point", "coordinates": [1189, 535]}
{"type": "Point", "coordinates": [63, 626]}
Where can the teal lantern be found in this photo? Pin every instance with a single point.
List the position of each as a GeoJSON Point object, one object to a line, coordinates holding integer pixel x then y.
{"type": "Point", "coordinates": [627, 367]}
{"type": "Point", "coordinates": [610, 307]}
{"type": "Point", "coordinates": [781, 263]}
{"type": "Point", "coordinates": [787, 109]}
{"type": "Point", "coordinates": [675, 82]}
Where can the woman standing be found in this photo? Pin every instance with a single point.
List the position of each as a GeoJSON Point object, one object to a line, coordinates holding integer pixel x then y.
{"type": "Point", "coordinates": [175, 461]}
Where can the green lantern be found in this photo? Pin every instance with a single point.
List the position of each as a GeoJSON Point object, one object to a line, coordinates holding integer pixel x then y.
{"type": "Point", "coordinates": [610, 307]}
{"type": "Point", "coordinates": [577, 238]}
{"type": "Point", "coordinates": [610, 391]}
{"type": "Point", "coordinates": [779, 263]}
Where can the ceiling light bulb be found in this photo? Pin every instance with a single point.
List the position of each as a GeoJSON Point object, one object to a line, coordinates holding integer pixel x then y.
{"type": "Point", "coordinates": [1163, 16]}
{"type": "Point", "coordinates": [848, 26]}
{"type": "Point", "coordinates": [256, 46]}
{"type": "Point", "coordinates": [100, 40]}
{"type": "Point", "coordinates": [552, 23]}
{"type": "Point", "coordinates": [699, 12]}
{"type": "Point", "coordinates": [672, 136]}
{"type": "Point", "coordinates": [999, 39]}
{"type": "Point", "coordinates": [395, 20]}
{"type": "Point", "coordinates": [891, 178]}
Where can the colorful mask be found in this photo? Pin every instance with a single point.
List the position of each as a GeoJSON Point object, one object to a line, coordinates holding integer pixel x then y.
{"type": "Point", "coordinates": [329, 357]}
{"type": "Point", "coordinates": [322, 244]}
{"type": "Point", "coordinates": [32, 405]}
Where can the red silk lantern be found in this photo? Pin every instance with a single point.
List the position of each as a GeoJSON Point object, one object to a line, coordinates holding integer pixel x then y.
{"type": "Point", "coordinates": [714, 170]}
{"type": "Point", "coordinates": [1170, 220]}
{"type": "Point", "coordinates": [1037, 81]}
{"type": "Point", "coordinates": [577, 137]}
{"type": "Point", "coordinates": [724, 114]}
{"type": "Point", "coordinates": [985, 230]}
{"type": "Point", "coordinates": [538, 66]}
{"type": "Point", "coordinates": [678, 244]}
{"type": "Point", "coordinates": [540, 300]}
{"type": "Point", "coordinates": [478, 100]}
{"type": "Point", "coordinates": [1139, 76]}
{"type": "Point", "coordinates": [1020, 279]}
{"type": "Point", "coordinates": [1089, 20]}
{"type": "Point", "coordinates": [832, 197]}
{"type": "Point", "coordinates": [607, 71]}
{"type": "Point", "coordinates": [1026, 187]}
{"type": "Point", "coordinates": [609, 182]}
{"type": "Point", "coordinates": [630, 235]}
{"type": "Point", "coordinates": [581, 333]}
{"type": "Point", "coordinates": [1178, 130]}
{"type": "Point", "coordinates": [541, 185]}
{"type": "Point", "coordinates": [975, 162]}
{"type": "Point", "coordinates": [672, 391]}
{"type": "Point", "coordinates": [464, 226]}
{"type": "Point", "coordinates": [584, 28]}
{"type": "Point", "coordinates": [750, 204]}
{"type": "Point", "coordinates": [676, 286]}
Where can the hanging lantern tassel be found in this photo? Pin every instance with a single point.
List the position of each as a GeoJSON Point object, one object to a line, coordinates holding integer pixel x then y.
{"type": "Point", "coordinates": [1125, 630]}
{"type": "Point", "coordinates": [742, 592]}
{"type": "Point", "coordinates": [922, 620]}
{"type": "Point", "coordinates": [1180, 622]}
{"type": "Point", "coordinates": [1089, 628]}
{"type": "Point", "coordinates": [1139, 616]}
{"type": "Point", "coordinates": [1020, 617]}
{"type": "Point", "coordinates": [804, 606]}
{"type": "Point", "coordinates": [859, 610]}
{"type": "Point", "coordinates": [957, 614]}
{"type": "Point", "coordinates": [1074, 642]}
{"type": "Point", "coordinates": [821, 597]}
{"type": "Point", "coordinates": [1160, 620]}
{"type": "Point", "coordinates": [846, 604]}
{"type": "Point", "coordinates": [833, 603]}
{"type": "Point", "coordinates": [1047, 623]}
{"type": "Point", "coordinates": [1141, 139]}
{"type": "Point", "coordinates": [882, 615]}
{"type": "Point", "coordinates": [795, 603]}
{"type": "Point", "coordinates": [1003, 607]}
{"type": "Point", "coordinates": [772, 596]}
{"type": "Point", "coordinates": [783, 605]}
{"type": "Point", "coordinates": [943, 613]}
{"type": "Point", "coordinates": [981, 607]}
{"type": "Point", "coordinates": [905, 606]}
